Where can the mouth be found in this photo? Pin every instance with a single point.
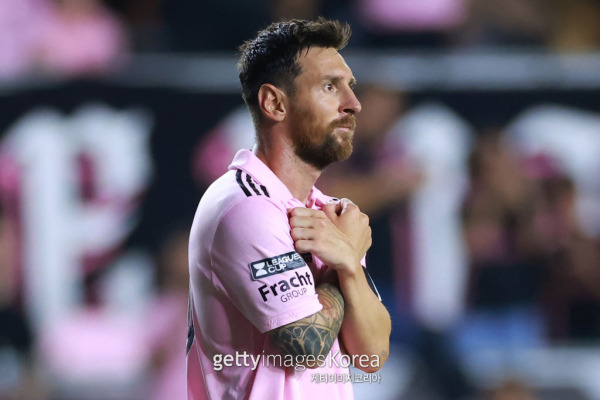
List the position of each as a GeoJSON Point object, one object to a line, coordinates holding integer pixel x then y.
{"type": "Point", "coordinates": [345, 128]}
{"type": "Point", "coordinates": [348, 122]}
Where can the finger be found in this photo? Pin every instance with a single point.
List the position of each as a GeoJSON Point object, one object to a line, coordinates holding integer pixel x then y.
{"type": "Point", "coordinates": [304, 246]}
{"type": "Point", "coordinates": [304, 212]}
{"type": "Point", "coordinates": [302, 233]}
{"type": "Point", "coordinates": [346, 205]}
{"type": "Point", "coordinates": [332, 210]}
{"type": "Point", "coordinates": [304, 222]}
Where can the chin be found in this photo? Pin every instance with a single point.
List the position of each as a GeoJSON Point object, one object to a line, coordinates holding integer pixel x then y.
{"type": "Point", "coordinates": [344, 152]}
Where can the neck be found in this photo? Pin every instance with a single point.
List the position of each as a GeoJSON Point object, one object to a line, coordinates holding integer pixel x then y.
{"type": "Point", "coordinates": [297, 175]}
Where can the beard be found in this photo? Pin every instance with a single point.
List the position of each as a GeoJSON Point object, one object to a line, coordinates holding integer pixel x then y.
{"type": "Point", "coordinates": [320, 146]}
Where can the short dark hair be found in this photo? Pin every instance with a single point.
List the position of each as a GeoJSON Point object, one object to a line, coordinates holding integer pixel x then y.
{"type": "Point", "coordinates": [272, 56]}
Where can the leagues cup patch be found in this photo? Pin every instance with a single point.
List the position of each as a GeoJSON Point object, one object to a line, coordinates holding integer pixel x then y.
{"type": "Point", "coordinates": [276, 265]}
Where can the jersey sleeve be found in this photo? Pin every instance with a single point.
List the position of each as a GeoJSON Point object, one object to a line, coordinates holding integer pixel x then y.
{"type": "Point", "coordinates": [255, 263]}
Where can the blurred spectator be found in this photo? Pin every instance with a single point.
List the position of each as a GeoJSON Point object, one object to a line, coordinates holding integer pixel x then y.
{"type": "Point", "coordinates": [573, 292]}
{"type": "Point", "coordinates": [216, 149]}
{"type": "Point", "coordinates": [507, 268]}
{"type": "Point", "coordinates": [17, 369]}
{"type": "Point", "coordinates": [20, 22]}
{"type": "Point", "coordinates": [576, 25]}
{"type": "Point", "coordinates": [568, 142]}
{"type": "Point", "coordinates": [146, 24]}
{"type": "Point", "coordinates": [517, 22]}
{"type": "Point", "coordinates": [428, 252]}
{"type": "Point", "coordinates": [511, 390]}
{"type": "Point", "coordinates": [87, 38]}
{"type": "Point", "coordinates": [80, 37]}
{"type": "Point", "coordinates": [498, 220]}
{"type": "Point", "coordinates": [407, 23]}
{"type": "Point", "coordinates": [428, 249]}
{"type": "Point", "coordinates": [167, 322]}
{"type": "Point", "coordinates": [299, 9]}
{"type": "Point", "coordinates": [59, 37]}
{"type": "Point", "coordinates": [568, 139]}
{"type": "Point", "coordinates": [8, 250]}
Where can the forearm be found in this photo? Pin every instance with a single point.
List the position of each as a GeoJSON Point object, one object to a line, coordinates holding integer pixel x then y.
{"type": "Point", "coordinates": [367, 326]}
{"type": "Point", "coordinates": [314, 335]}
{"type": "Point", "coordinates": [340, 235]}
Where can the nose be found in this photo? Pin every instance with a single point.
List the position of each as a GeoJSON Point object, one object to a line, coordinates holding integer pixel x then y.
{"type": "Point", "coordinates": [351, 105]}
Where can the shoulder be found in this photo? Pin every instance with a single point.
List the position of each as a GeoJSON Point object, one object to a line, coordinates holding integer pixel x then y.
{"type": "Point", "coordinates": [235, 185]}
{"type": "Point", "coordinates": [253, 213]}
{"type": "Point", "coordinates": [251, 225]}
{"type": "Point", "coordinates": [235, 198]}
{"type": "Point", "coordinates": [231, 200]}
{"type": "Point", "coordinates": [233, 189]}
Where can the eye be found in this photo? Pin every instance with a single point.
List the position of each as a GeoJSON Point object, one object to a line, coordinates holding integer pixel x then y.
{"type": "Point", "coordinates": [329, 87]}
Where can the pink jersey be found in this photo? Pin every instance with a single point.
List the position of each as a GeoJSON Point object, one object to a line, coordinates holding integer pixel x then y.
{"type": "Point", "coordinates": [245, 280]}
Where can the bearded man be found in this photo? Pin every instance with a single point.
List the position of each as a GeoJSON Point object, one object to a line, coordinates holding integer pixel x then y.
{"type": "Point", "coordinates": [280, 300]}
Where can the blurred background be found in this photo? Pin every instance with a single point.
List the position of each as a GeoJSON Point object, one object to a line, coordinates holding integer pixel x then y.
{"type": "Point", "coordinates": [477, 157]}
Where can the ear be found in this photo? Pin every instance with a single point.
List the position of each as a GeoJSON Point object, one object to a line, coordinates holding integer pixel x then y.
{"type": "Point", "coordinates": [271, 101]}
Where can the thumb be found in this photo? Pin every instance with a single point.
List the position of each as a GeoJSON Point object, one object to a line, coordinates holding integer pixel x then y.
{"type": "Point", "coordinates": [344, 203]}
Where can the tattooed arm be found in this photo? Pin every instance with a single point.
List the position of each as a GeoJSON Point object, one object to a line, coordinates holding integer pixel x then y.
{"type": "Point", "coordinates": [314, 335]}
{"type": "Point", "coordinates": [340, 236]}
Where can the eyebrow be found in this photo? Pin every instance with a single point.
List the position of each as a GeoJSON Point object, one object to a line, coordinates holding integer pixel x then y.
{"type": "Point", "coordinates": [338, 78]}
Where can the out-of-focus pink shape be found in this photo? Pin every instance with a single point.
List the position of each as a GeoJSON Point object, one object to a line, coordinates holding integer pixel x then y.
{"type": "Point", "coordinates": [80, 41]}
{"type": "Point", "coordinates": [167, 331]}
{"type": "Point", "coordinates": [20, 23]}
{"type": "Point", "coordinates": [411, 15]}
{"type": "Point", "coordinates": [93, 346]}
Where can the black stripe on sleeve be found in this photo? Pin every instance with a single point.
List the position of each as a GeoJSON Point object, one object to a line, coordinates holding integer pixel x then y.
{"type": "Point", "coordinates": [251, 183]}
{"type": "Point", "coordinates": [238, 178]}
{"type": "Point", "coordinates": [264, 189]}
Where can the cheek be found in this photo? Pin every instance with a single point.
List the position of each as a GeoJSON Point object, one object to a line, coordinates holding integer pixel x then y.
{"type": "Point", "coordinates": [325, 114]}
{"type": "Point", "coordinates": [328, 104]}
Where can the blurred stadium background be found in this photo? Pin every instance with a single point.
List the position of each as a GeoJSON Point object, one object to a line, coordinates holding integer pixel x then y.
{"type": "Point", "coordinates": [477, 157]}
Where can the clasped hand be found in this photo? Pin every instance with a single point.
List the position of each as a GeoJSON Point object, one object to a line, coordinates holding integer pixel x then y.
{"type": "Point", "coordinates": [339, 234]}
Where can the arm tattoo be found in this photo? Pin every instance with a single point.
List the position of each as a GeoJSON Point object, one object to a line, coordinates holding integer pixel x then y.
{"type": "Point", "coordinates": [315, 334]}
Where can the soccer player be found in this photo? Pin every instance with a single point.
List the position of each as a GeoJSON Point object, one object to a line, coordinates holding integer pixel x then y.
{"type": "Point", "coordinates": [280, 300]}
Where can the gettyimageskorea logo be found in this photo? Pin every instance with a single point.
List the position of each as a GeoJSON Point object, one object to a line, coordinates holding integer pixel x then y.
{"type": "Point", "coordinates": [276, 265]}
